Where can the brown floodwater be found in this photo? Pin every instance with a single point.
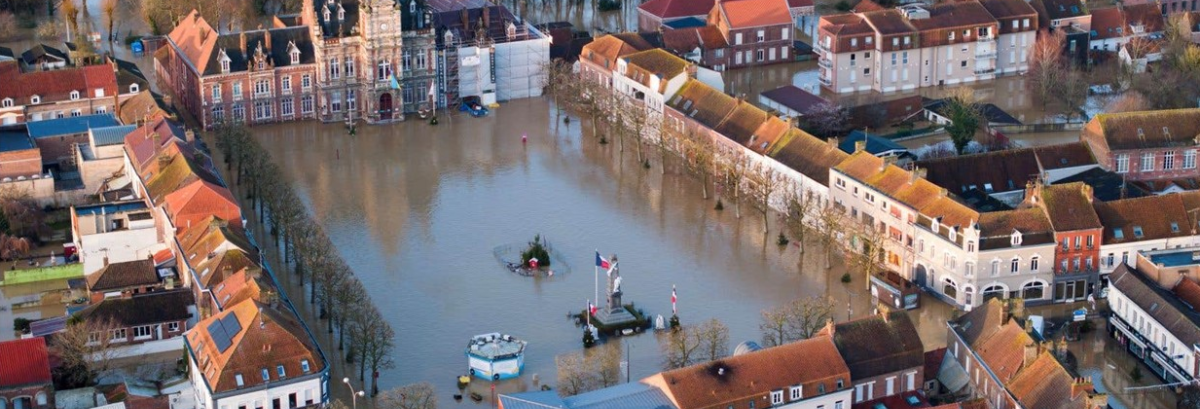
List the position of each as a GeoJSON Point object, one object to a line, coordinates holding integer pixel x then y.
{"type": "Point", "coordinates": [418, 210]}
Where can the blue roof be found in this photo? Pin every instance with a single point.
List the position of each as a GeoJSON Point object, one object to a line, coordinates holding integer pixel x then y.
{"type": "Point", "coordinates": [110, 208]}
{"type": "Point", "coordinates": [70, 125]}
{"type": "Point", "coordinates": [875, 144]}
{"type": "Point", "coordinates": [686, 22]}
{"type": "Point", "coordinates": [112, 135]}
{"type": "Point", "coordinates": [634, 395]}
{"type": "Point", "coordinates": [532, 400]}
{"type": "Point", "coordinates": [15, 139]}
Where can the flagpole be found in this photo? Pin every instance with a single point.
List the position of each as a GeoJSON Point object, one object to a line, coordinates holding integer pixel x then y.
{"type": "Point", "coordinates": [596, 279]}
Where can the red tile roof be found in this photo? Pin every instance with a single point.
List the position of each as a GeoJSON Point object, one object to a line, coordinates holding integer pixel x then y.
{"type": "Point", "coordinates": [1108, 22]}
{"type": "Point", "coordinates": [867, 5]}
{"type": "Point", "coordinates": [265, 336]}
{"type": "Point", "coordinates": [1188, 292]}
{"type": "Point", "coordinates": [199, 200]}
{"type": "Point", "coordinates": [811, 362]}
{"type": "Point", "coordinates": [1145, 129]}
{"type": "Point", "coordinates": [196, 40]}
{"type": "Point", "coordinates": [669, 9]}
{"type": "Point", "coordinates": [933, 362]}
{"type": "Point", "coordinates": [56, 85]}
{"type": "Point", "coordinates": [800, 3]}
{"type": "Point", "coordinates": [24, 362]}
{"type": "Point", "coordinates": [1069, 207]}
{"type": "Point", "coordinates": [755, 13]}
{"type": "Point", "coordinates": [605, 50]}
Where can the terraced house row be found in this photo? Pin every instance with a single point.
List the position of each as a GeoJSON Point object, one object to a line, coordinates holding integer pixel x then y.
{"type": "Point", "coordinates": [1025, 223]}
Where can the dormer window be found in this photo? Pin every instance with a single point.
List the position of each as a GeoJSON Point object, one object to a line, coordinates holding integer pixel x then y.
{"type": "Point", "coordinates": [224, 62]}
{"type": "Point", "coordinates": [326, 13]}
{"type": "Point", "coordinates": [280, 371]}
{"type": "Point", "coordinates": [134, 88]}
{"type": "Point", "coordinates": [953, 234]}
{"type": "Point", "coordinates": [294, 53]}
{"type": "Point", "coordinates": [412, 7]}
{"type": "Point", "coordinates": [74, 95]}
{"type": "Point", "coordinates": [1015, 239]}
{"type": "Point", "coordinates": [266, 375]}
{"type": "Point", "coordinates": [341, 13]}
{"type": "Point", "coordinates": [304, 366]}
{"type": "Point", "coordinates": [512, 30]}
{"type": "Point", "coordinates": [934, 224]}
{"type": "Point", "coordinates": [35, 99]}
{"type": "Point", "coordinates": [6, 103]}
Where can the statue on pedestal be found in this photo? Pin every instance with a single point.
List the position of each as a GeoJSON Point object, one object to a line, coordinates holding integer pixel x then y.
{"type": "Point", "coordinates": [614, 286]}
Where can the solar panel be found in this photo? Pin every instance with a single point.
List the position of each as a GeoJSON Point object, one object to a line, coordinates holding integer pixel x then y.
{"type": "Point", "coordinates": [220, 339]}
{"type": "Point", "coordinates": [232, 326]}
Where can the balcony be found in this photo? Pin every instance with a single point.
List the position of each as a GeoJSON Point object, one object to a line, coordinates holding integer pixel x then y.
{"type": "Point", "coordinates": [985, 54]}
{"type": "Point", "coordinates": [825, 81]}
{"type": "Point", "coordinates": [825, 63]}
{"type": "Point", "coordinates": [985, 70]}
{"type": "Point", "coordinates": [820, 49]}
{"type": "Point", "coordinates": [985, 40]}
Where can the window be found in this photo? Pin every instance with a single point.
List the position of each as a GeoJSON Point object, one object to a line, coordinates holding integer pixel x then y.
{"type": "Point", "coordinates": [262, 109]}
{"type": "Point", "coordinates": [949, 288]}
{"type": "Point", "coordinates": [218, 115]}
{"type": "Point", "coordinates": [784, 33]}
{"type": "Point", "coordinates": [1147, 162]}
{"type": "Point", "coordinates": [335, 102]}
{"type": "Point", "coordinates": [776, 397]}
{"type": "Point", "coordinates": [1089, 241]}
{"type": "Point", "coordinates": [237, 91]}
{"type": "Point", "coordinates": [351, 103]}
{"type": "Point", "coordinates": [335, 71]}
{"type": "Point", "coordinates": [840, 385]}
{"type": "Point", "coordinates": [295, 55]}
{"type": "Point", "coordinates": [1033, 263]}
{"type": "Point", "coordinates": [995, 267]}
{"type": "Point", "coordinates": [280, 371]}
{"type": "Point", "coordinates": [262, 87]}
{"type": "Point", "coordinates": [970, 268]}
{"type": "Point", "coordinates": [1123, 163]}
{"type": "Point", "coordinates": [266, 375]}
{"type": "Point", "coordinates": [304, 366]}
{"type": "Point", "coordinates": [76, 112]}
{"type": "Point", "coordinates": [762, 36]}
{"type": "Point", "coordinates": [173, 327]}
{"type": "Point", "coordinates": [239, 112]}
{"type": "Point", "coordinates": [238, 378]}
{"type": "Point", "coordinates": [759, 55]}
{"type": "Point", "coordinates": [1137, 231]}
{"type": "Point", "coordinates": [35, 99]}
{"type": "Point", "coordinates": [349, 68]}
{"type": "Point", "coordinates": [306, 104]}
{"type": "Point", "coordinates": [286, 84]}
{"type": "Point", "coordinates": [141, 332]}
{"type": "Point", "coordinates": [306, 82]}
{"type": "Point", "coordinates": [1169, 160]}
{"type": "Point", "coordinates": [1033, 290]}
{"type": "Point", "coordinates": [118, 335]}
{"type": "Point", "coordinates": [225, 64]}
{"type": "Point", "coordinates": [74, 95]}
{"type": "Point", "coordinates": [797, 392]}
{"type": "Point", "coordinates": [6, 103]}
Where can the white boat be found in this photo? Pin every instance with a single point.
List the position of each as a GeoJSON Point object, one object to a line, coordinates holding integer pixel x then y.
{"type": "Point", "coordinates": [494, 356]}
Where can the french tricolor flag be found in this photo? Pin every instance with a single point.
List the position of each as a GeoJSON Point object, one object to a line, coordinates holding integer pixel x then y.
{"type": "Point", "coordinates": [601, 261]}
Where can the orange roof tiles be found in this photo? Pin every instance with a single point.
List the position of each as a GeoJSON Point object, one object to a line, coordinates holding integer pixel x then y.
{"type": "Point", "coordinates": [1165, 128]}
{"type": "Point", "coordinates": [605, 51]}
{"type": "Point", "coordinates": [1045, 384]}
{"type": "Point", "coordinates": [1069, 207]}
{"type": "Point", "coordinates": [199, 200]}
{"type": "Point", "coordinates": [670, 9]}
{"type": "Point", "coordinates": [808, 155]}
{"type": "Point", "coordinates": [24, 362]}
{"type": "Point", "coordinates": [740, 124]}
{"type": "Point", "coordinates": [755, 13]}
{"type": "Point", "coordinates": [703, 103]}
{"type": "Point", "coordinates": [1188, 292]}
{"type": "Point", "coordinates": [56, 85]}
{"type": "Point", "coordinates": [267, 336]}
{"type": "Point", "coordinates": [1155, 217]}
{"type": "Point", "coordinates": [1004, 350]}
{"type": "Point", "coordinates": [195, 39]}
{"type": "Point", "coordinates": [768, 134]}
{"type": "Point", "coordinates": [751, 376]}
{"type": "Point", "coordinates": [915, 192]}
{"type": "Point", "coordinates": [658, 62]}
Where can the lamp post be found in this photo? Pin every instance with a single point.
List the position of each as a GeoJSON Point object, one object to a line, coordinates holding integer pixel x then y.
{"type": "Point", "coordinates": [353, 394]}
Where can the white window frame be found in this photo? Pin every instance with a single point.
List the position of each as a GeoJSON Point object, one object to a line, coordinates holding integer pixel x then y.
{"type": "Point", "coordinates": [74, 95]}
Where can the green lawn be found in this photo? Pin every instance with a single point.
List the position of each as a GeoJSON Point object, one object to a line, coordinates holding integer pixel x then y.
{"type": "Point", "coordinates": [67, 271]}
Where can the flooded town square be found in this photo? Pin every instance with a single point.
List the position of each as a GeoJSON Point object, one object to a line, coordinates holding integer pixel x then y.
{"type": "Point", "coordinates": [418, 211]}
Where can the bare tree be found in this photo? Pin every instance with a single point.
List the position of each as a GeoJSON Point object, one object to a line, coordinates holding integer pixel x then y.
{"type": "Point", "coordinates": [680, 348]}
{"type": "Point", "coordinates": [799, 319]}
{"type": "Point", "coordinates": [713, 337]}
{"type": "Point", "coordinates": [762, 182]}
{"type": "Point", "coordinates": [802, 210]}
{"type": "Point", "coordinates": [413, 396]}
{"type": "Point", "coordinates": [733, 174]}
{"type": "Point", "coordinates": [70, 12]}
{"type": "Point", "coordinates": [1072, 92]}
{"type": "Point", "coordinates": [1046, 67]}
{"type": "Point", "coordinates": [109, 8]}
{"type": "Point", "coordinates": [574, 374]}
{"type": "Point", "coordinates": [1130, 101]}
{"type": "Point", "coordinates": [558, 82]}
{"type": "Point", "coordinates": [867, 245]}
{"type": "Point", "coordinates": [85, 349]}
{"type": "Point", "coordinates": [830, 221]}
{"type": "Point", "coordinates": [825, 119]}
{"type": "Point", "coordinates": [8, 26]}
{"type": "Point", "coordinates": [700, 154]}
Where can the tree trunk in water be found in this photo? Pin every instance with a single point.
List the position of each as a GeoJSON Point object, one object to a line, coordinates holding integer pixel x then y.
{"type": "Point", "coordinates": [341, 331]}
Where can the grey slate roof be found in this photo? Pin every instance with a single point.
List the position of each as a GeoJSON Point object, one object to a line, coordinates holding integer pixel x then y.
{"type": "Point", "coordinates": [151, 308]}
{"type": "Point", "coordinates": [634, 395]}
{"type": "Point", "coordinates": [1162, 305]}
{"type": "Point", "coordinates": [31, 55]}
{"type": "Point", "coordinates": [334, 27]}
{"type": "Point", "coordinates": [70, 125]}
{"type": "Point", "coordinates": [128, 73]}
{"type": "Point", "coordinates": [275, 48]}
{"type": "Point", "coordinates": [111, 135]}
{"type": "Point", "coordinates": [6, 54]}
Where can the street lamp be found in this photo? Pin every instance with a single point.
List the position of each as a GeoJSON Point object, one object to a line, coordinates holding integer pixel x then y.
{"type": "Point", "coordinates": [353, 394]}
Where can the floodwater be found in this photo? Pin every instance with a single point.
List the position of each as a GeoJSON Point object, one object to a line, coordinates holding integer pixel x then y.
{"type": "Point", "coordinates": [417, 210]}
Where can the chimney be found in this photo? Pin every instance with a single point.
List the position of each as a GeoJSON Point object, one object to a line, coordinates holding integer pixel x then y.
{"type": "Point", "coordinates": [189, 135]}
{"type": "Point", "coordinates": [1031, 353]}
{"type": "Point", "coordinates": [242, 41]}
{"type": "Point", "coordinates": [487, 18]}
{"type": "Point", "coordinates": [860, 146]}
{"type": "Point", "coordinates": [1087, 191]}
{"type": "Point", "coordinates": [466, 18]}
{"type": "Point", "coordinates": [106, 258]}
{"type": "Point", "coordinates": [832, 142]}
{"type": "Point", "coordinates": [1081, 386]}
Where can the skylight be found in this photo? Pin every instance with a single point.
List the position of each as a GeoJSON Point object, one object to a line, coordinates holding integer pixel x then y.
{"type": "Point", "coordinates": [1137, 231]}
{"type": "Point", "coordinates": [1118, 233]}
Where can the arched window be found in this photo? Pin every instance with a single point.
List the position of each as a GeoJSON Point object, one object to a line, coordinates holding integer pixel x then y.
{"type": "Point", "coordinates": [1016, 238]}
{"type": "Point", "coordinates": [6, 103]}
{"type": "Point", "coordinates": [1016, 265]}
{"type": "Point", "coordinates": [950, 288]}
{"type": "Point", "coordinates": [74, 95]}
{"type": "Point", "coordinates": [1033, 263]}
{"type": "Point", "coordinates": [1033, 290]}
{"type": "Point", "coordinates": [995, 291]}
{"type": "Point", "coordinates": [969, 295]}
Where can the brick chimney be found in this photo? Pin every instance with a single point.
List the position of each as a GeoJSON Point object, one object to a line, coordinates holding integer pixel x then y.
{"type": "Point", "coordinates": [832, 142]}
{"type": "Point", "coordinates": [1031, 353]}
{"type": "Point", "coordinates": [1081, 386]}
{"type": "Point", "coordinates": [860, 146]}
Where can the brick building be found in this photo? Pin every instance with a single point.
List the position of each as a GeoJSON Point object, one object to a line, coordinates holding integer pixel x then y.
{"type": "Point", "coordinates": [39, 95]}
{"type": "Point", "coordinates": [1146, 145]}
{"type": "Point", "coordinates": [25, 374]}
{"type": "Point", "coordinates": [1077, 232]}
{"type": "Point", "coordinates": [654, 13]}
{"type": "Point", "coordinates": [759, 32]}
{"type": "Point", "coordinates": [257, 76]}
{"type": "Point", "coordinates": [142, 318]}
{"type": "Point", "coordinates": [884, 353]}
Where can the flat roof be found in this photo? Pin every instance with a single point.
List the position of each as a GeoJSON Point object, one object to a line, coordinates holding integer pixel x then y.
{"type": "Point", "coordinates": [1174, 258]}
{"type": "Point", "coordinates": [15, 139]}
{"type": "Point", "coordinates": [110, 208]}
{"type": "Point", "coordinates": [70, 125]}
